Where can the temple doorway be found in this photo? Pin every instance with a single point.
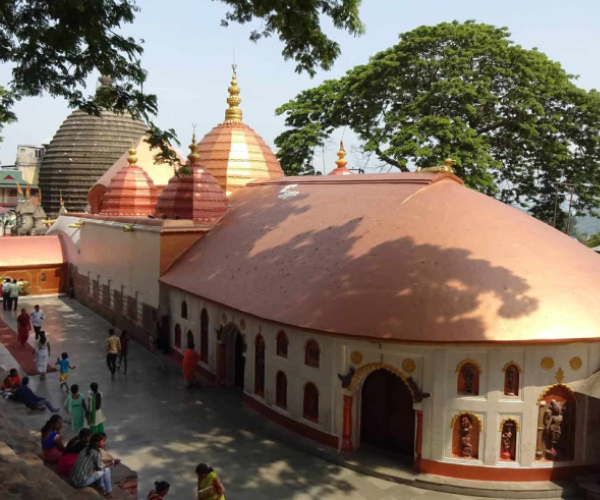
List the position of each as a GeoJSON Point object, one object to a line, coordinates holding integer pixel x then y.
{"type": "Point", "coordinates": [387, 415]}
{"type": "Point", "coordinates": [240, 361]}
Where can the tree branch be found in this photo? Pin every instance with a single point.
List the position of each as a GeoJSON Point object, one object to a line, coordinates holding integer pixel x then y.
{"type": "Point", "coordinates": [390, 161]}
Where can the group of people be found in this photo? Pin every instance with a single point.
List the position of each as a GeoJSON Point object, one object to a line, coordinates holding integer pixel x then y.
{"type": "Point", "coordinates": [10, 294]}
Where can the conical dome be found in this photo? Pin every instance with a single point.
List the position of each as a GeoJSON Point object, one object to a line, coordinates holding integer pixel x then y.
{"type": "Point", "coordinates": [84, 147]}
{"type": "Point", "coordinates": [130, 192]}
{"type": "Point", "coordinates": [197, 196]}
{"type": "Point", "coordinates": [234, 153]}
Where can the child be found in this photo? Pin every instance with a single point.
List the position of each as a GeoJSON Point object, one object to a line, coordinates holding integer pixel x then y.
{"type": "Point", "coordinates": [64, 371]}
{"type": "Point", "coordinates": [75, 406]}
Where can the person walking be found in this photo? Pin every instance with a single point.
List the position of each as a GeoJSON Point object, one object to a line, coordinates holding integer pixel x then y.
{"type": "Point", "coordinates": [209, 484]}
{"type": "Point", "coordinates": [91, 469]}
{"type": "Point", "coordinates": [161, 490]}
{"type": "Point", "coordinates": [113, 348]}
{"type": "Point", "coordinates": [190, 366]}
{"type": "Point", "coordinates": [14, 294]}
{"type": "Point", "coordinates": [42, 353]}
{"type": "Point", "coordinates": [124, 352]}
{"type": "Point", "coordinates": [23, 327]}
{"type": "Point", "coordinates": [37, 316]}
{"type": "Point", "coordinates": [64, 366]}
{"type": "Point", "coordinates": [75, 406]}
{"type": "Point", "coordinates": [6, 304]}
{"type": "Point", "coordinates": [93, 405]}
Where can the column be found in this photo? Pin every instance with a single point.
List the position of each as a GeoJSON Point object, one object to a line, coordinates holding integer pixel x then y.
{"type": "Point", "coordinates": [419, 443]}
{"type": "Point", "coordinates": [347, 426]}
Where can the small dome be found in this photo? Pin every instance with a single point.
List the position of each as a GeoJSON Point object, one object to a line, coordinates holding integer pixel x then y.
{"type": "Point", "coordinates": [341, 163]}
{"type": "Point", "coordinates": [234, 153]}
{"type": "Point", "coordinates": [196, 196]}
{"type": "Point", "coordinates": [130, 192]}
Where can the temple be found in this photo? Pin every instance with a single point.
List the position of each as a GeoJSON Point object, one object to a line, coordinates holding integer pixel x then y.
{"type": "Point", "coordinates": [400, 312]}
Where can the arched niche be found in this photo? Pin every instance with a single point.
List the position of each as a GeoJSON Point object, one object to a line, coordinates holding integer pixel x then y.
{"type": "Point", "coordinates": [467, 382]}
{"type": "Point", "coordinates": [557, 407]}
{"type": "Point", "coordinates": [509, 427]}
{"type": "Point", "coordinates": [512, 376]}
{"type": "Point", "coordinates": [466, 429]}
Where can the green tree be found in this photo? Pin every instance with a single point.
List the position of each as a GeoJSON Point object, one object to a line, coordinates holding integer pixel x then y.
{"type": "Point", "coordinates": [513, 120]}
{"type": "Point", "coordinates": [54, 45]}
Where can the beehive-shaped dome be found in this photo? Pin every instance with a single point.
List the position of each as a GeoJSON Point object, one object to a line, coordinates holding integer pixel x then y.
{"type": "Point", "coordinates": [341, 163]}
{"type": "Point", "coordinates": [234, 153]}
{"type": "Point", "coordinates": [195, 195]}
{"type": "Point", "coordinates": [84, 147]}
{"type": "Point", "coordinates": [131, 191]}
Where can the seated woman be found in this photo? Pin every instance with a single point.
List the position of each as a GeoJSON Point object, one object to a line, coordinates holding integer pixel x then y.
{"type": "Point", "coordinates": [210, 486]}
{"type": "Point", "coordinates": [11, 382]}
{"type": "Point", "coordinates": [91, 469]}
{"type": "Point", "coordinates": [74, 447]}
{"type": "Point", "coordinates": [52, 445]}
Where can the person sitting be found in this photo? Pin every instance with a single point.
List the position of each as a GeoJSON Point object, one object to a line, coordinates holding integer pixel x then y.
{"type": "Point", "coordinates": [52, 445]}
{"type": "Point", "coordinates": [23, 394]}
{"type": "Point", "coordinates": [161, 490]}
{"type": "Point", "coordinates": [12, 381]}
{"type": "Point", "coordinates": [210, 486]}
{"type": "Point", "coordinates": [72, 451]}
{"type": "Point", "coordinates": [91, 469]}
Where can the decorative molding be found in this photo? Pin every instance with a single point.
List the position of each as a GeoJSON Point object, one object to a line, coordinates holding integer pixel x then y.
{"type": "Point", "coordinates": [347, 379]}
{"type": "Point", "coordinates": [472, 415]}
{"type": "Point", "coordinates": [560, 375]}
{"type": "Point", "coordinates": [409, 366]}
{"type": "Point", "coordinates": [224, 318]}
{"type": "Point", "coordinates": [575, 363]}
{"type": "Point", "coordinates": [511, 362]}
{"type": "Point", "coordinates": [356, 357]}
{"type": "Point", "coordinates": [510, 419]}
{"type": "Point", "coordinates": [363, 371]}
{"type": "Point", "coordinates": [554, 386]}
{"type": "Point", "coordinates": [466, 361]}
{"type": "Point", "coordinates": [547, 363]}
{"type": "Point", "coordinates": [242, 324]}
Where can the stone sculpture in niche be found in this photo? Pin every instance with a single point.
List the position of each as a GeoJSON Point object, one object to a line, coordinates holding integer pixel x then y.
{"type": "Point", "coordinates": [466, 448]}
{"type": "Point", "coordinates": [509, 434]}
{"type": "Point", "coordinates": [468, 375]}
{"type": "Point", "coordinates": [553, 423]}
{"type": "Point", "coordinates": [512, 381]}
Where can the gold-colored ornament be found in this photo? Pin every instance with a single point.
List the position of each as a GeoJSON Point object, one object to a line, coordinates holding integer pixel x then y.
{"type": "Point", "coordinates": [560, 375]}
{"type": "Point", "coordinates": [242, 324]}
{"type": "Point", "coordinates": [547, 363]}
{"type": "Point", "coordinates": [575, 363]}
{"type": "Point", "coordinates": [356, 357]}
{"type": "Point", "coordinates": [408, 366]}
{"type": "Point", "coordinates": [233, 114]}
{"type": "Point", "coordinates": [224, 318]}
{"type": "Point", "coordinates": [446, 168]}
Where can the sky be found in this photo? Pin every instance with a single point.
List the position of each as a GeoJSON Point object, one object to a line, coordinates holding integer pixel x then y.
{"type": "Point", "coordinates": [188, 56]}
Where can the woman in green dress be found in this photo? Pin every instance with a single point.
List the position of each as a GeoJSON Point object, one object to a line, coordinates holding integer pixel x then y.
{"type": "Point", "coordinates": [95, 416]}
{"type": "Point", "coordinates": [75, 406]}
{"type": "Point", "coordinates": [209, 484]}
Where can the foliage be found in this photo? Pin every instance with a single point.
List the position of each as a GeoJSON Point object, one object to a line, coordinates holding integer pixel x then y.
{"type": "Point", "coordinates": [54, 45]}
{"type": "Point", "coordinates": [593, 240]}
{"type": "Point", "coordinates": [513, 120]}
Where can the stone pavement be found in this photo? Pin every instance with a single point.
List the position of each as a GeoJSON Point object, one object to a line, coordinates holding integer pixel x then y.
{"type": "Point", "coordinates": [163, 431]}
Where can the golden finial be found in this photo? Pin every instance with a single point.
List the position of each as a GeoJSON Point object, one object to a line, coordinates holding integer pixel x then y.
{"type": "Point", "coordinates": [132, 159]}
{"type": "Point", "coordinates": [233, 114]}
{"type": "Point", "coordinates": [193, 156]}
{"type": "Point", "coordinates": [341, 162]}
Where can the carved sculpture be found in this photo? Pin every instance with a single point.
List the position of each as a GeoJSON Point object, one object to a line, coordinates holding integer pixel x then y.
{"type": "Point", "coordinates": [468, 375]}
{"type": "Point", "coordinates": [508, 440]}
{"type": "Point", "coordinates": [552, 423]}
{"type": "Point", "coordinates": [466, 448]}
{"type": "Point", "coordinates": [347, 379]}
{"type": "Point", "coordinates": [419, 395]}
{"type": "Point", "coordinates": [446, 168]}
{"type": "Point", "coordinates": [512, 381]}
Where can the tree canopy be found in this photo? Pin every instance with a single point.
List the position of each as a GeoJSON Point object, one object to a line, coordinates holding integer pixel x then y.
{"type": "Point", "coordinates": [513, 120]}
{"type": "Point", "coordinates": [54, 45]}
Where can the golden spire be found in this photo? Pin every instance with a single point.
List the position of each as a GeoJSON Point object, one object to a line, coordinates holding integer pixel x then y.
{"type": "Point", "coordinates": [132, 159]}
{"type": "Point", "coordinates": [193, 156]}
{"type": "Point", "coordinates": [233, 114]}
{"type": "Point", "coordinates": [341, 162]}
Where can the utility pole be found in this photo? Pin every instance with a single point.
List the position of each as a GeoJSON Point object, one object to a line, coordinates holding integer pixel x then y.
{"type": "Point", "coordinates": [571, 190]}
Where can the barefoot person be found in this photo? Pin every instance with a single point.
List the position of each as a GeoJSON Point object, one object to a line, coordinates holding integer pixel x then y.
{"type": "Point", "coordinates": [113, 349]}
{"type": "Point", "coordinates": [75, 406]}
{"type": "Point", "coordinates": [42, 353]}
{"type": "Point", "coordinates": [52, 445]}
{"type": "Point", "coordinates": [161, 490]}
{"type": "Point", "coordinates": [209, 484]}
{"type": "Point", "coordinates": [23, 327]}
{"type": "Point", "coordinates": [91, 469]}
{"type": "Point", "coordinates": [93, 404]}
{"type": "Point", "coordinates": [190, 365]}
{"type": "Point", "coordinates": [23, 394]}
{"type": "Point", "coordinates": [37, 316]}
{"type": "Point", "coordinates": [11, 382]}
{"type": "Point", "coordinates": [64, 366]}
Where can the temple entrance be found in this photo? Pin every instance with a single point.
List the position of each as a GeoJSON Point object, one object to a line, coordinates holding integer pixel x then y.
{"type": "Point", "coordinates": [240, 361]}
{"type": "Point", "coordinates": [387, 415]}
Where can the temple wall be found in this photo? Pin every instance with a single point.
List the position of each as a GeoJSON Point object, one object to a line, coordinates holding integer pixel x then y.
{"type": "Point", "coordinates": [432, 368]}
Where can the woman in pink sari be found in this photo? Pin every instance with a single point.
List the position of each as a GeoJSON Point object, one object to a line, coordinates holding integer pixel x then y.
{"type": "Point", "coordinates": [190, 365]}
{"type": "Point", "coordinates": [23, 327]}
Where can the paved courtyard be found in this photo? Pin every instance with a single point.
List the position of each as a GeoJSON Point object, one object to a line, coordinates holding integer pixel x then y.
{"type": "Point", "coordinates": [163, 431]}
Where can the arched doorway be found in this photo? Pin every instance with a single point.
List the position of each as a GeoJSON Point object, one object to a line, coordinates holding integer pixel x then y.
{"type": "Point", "coordinates": [387, 415]}
{"type": "Point", "coordinates": [240, 361]}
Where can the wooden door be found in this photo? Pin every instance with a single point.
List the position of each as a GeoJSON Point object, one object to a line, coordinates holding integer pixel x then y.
{"type": "Point", "coordinates": [387, 415]}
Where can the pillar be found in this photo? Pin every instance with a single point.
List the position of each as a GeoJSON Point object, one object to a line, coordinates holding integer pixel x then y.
{"type": "Point", "coordinates": [419, 443]}
{"type": "Point", "coordinates": [347, 426]}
